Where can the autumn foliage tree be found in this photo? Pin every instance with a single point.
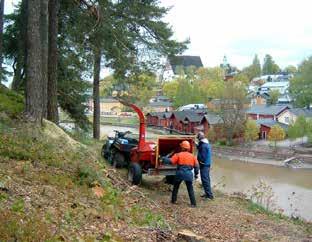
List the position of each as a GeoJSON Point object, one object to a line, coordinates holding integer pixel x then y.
{"type": "Point", "coordinates": [251, 131]}
{"type": "Point", "coordinates": [276, 134]}
{"type": "Point", "coordinates": [231, 109]}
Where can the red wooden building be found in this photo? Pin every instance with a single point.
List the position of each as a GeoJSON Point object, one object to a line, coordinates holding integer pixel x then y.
{"type": "Point", "coordinates": [266, 111]}
{"type": "Point", "coordinates": [158, 119]}
{"type": "Point", "coordinates": [186, 122]}
{"type": "Point", "coordinates": [265, 126]}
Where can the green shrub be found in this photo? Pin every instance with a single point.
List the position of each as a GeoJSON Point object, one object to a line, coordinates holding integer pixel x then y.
{"type": "Point", "coordinates": [87, 175]}
{"type": "Point", "coordinates": [3, 197]}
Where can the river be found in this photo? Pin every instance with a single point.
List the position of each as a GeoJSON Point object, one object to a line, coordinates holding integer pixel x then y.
{"type": "Point", "coordinates": [292, 188]}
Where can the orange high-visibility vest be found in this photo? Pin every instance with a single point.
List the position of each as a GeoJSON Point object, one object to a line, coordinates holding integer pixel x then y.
{"type": "Point", "coordinates": [184, 158]}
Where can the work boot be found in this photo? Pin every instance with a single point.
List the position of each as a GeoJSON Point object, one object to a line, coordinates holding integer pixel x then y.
{"type": "Point", "coordinates": [207, 197]}
{"type": "Point", "coordinates": [193, 205]}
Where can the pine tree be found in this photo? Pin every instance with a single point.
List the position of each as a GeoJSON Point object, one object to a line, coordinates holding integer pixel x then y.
{"type": "Point", "coordinates": [256, 66]}
{"type": "Point", "coordinates": [1, 37]}
{"type": "Point", "coordinates": [34, 97]}
{"type": "Point", "coordinates": [96, 93]}
{"type": "Point", "coordinates": [52, 103]}
{"type": "Point", "coordinates": [269, 66]}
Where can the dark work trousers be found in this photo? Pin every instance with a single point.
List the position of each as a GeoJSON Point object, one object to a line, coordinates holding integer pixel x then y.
{"type": "Point", "coordinates": [205, 178]}
{"type": "Point", "coordinates": [190, 190]}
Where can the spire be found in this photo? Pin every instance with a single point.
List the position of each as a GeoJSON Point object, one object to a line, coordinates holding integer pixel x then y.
{"type": "Point", "coordinates": [225, 62]}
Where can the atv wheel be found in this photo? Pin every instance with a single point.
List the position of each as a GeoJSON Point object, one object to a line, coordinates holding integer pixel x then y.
{"type": "Point", "coordinates": [103, 152]}
{"type": "Point", "coordinates": [119, 160]}
{"type": "Point", "coordinates": [111, 156]}
{"type": "Point", "coordinates": [135, 174]}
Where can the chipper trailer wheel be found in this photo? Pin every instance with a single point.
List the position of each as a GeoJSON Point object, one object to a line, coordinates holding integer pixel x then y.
{"type": "Point", "coordinates": [135, 173]}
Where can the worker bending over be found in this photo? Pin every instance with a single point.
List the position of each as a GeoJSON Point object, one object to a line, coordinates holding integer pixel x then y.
{"type": "Point", "coordinates": [185, 162]}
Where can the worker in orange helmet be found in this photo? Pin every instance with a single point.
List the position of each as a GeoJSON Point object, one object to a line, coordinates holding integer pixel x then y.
{"type": "Point", "coordinates": [185, 162]}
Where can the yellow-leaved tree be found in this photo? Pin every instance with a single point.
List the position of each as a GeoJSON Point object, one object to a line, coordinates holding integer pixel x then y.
{"type": "Point", "coordinates": [251, 131]}
{"type": "Point", "coordinates": [276, 134]}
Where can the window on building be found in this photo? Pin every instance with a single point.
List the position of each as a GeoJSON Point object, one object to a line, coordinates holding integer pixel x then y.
{"type": "Point", "coordinates": [287, 120]}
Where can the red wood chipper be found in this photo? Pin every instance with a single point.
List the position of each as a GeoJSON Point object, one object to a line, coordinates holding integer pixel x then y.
{"type": "Point", "coordinates": [141, 156]}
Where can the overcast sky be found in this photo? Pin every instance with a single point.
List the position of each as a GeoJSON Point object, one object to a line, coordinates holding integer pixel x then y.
{"type": "Point", "coordinates": [240, 29]}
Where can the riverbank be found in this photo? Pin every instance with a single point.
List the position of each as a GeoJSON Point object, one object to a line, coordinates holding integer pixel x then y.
{"type": "Point", "coordinates": [254, 160]}
{"type": "Point", "coordinates": [261, 157]}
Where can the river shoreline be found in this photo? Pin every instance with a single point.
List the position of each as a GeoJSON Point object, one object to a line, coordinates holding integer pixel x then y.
{"type": "Point", "coordinates": [262, 161]}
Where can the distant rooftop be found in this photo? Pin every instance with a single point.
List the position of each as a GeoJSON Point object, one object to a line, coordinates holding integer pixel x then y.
{"type": "Point", "coordinates": [270, 123]}
{"type": "Point", "coordinates": [160, 104]}
{"type": "Point", "coordinates": [185, 61]}
{"type": "Point", "coordinates": [301, 112]}
{"type": "Point", "coordinates": [213, 118]}
{"type": "Point", "coordinates": [276, 84]}
{"type": "Point", "coordinates": [266, 109]}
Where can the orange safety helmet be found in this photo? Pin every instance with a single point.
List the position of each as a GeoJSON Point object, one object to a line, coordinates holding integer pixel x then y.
{"type": "Point", "coordinates": [185, 145]}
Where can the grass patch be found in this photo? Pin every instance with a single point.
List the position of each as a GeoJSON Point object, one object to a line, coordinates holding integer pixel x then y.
{"type": "Point", "coordinates": [276, 216]}
{"type": "Point", "coordinates": [30, 143]}
{"type": "Point", "coordinates": [11, 102]}
{"type": "Point", "coordinates": [27, 145]}
{"type": "Point", "coordinates": [20, 227]}
{"type": "Point", "coordinates": [145, 217]}
{"type": "Point", "coordinates": [112, 202]}
{"type": "Point", "coordinates": [60, 180]}
{"type": "Point", "coordinates": [18, 206]}
{"type": "Point", "coordinates": [120, 120]}
{"type": "Point", "coordinates": [3, 197]}
{"type": "Point", "coordinates": [82, 137]}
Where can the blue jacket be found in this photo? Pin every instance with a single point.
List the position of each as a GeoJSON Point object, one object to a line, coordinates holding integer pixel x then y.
{"type": "Point", "coordinates": [204, 153]}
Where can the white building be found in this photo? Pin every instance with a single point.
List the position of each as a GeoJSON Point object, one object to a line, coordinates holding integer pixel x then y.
{"type": "Point", "coordinates": [282, 87]}
{"type": "Point", "coordinates": [192, 107]}
{"type": "Point", "coordinates": [290, 116]}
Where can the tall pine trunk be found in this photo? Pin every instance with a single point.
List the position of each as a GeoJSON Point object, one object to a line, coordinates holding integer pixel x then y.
{"type": "Point", "coordinates": [1, 37]}
{"type": "Point", "coordinates": [20, 66]}
{"type": "Point", "coordinates": [96, 93]}
{"type": "Point", "coordinates": [34, 98]}
{"type": "Point", "coordinates": [44, 16]}
{"type": "Point", "coordinates": [52, 62]}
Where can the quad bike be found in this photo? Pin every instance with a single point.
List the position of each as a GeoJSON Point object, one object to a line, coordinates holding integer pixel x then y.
{"type": "Point", "coordinates": [117, 149]}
